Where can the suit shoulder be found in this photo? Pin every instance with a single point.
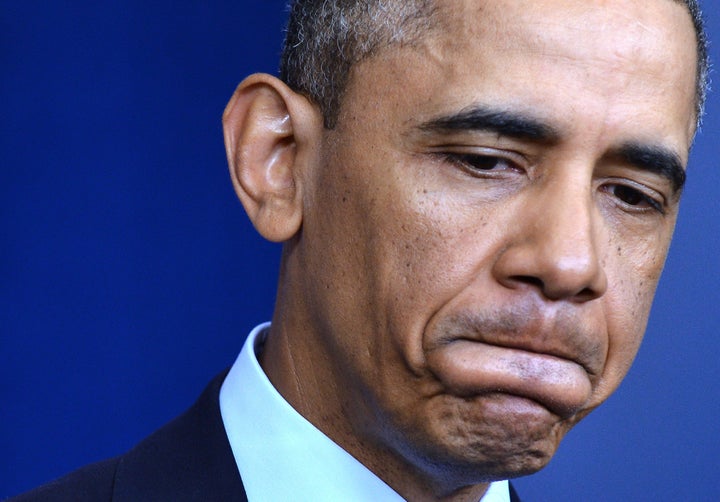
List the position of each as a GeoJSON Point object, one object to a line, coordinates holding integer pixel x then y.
{"type": "Point", "coordinates": [188, 459]}
{"type": "Point", "coordinates": [92, 483]}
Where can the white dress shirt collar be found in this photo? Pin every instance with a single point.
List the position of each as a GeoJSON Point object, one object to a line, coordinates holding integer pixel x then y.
{"type": "Point", "coordinates": [281, 456]}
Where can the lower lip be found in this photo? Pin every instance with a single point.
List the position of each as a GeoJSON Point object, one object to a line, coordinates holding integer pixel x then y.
{"type": "Point", "coordinates": [467, 368]}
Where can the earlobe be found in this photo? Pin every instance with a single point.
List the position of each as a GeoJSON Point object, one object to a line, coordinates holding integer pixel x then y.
{"type": "Point", "coordinates": [269, 131]}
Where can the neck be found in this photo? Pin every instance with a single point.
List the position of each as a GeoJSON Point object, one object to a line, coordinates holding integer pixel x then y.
{"type": "Point", "coordinates": [310, 381]}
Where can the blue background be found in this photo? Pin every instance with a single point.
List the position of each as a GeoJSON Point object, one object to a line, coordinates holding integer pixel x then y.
{"type": "Point", "coordinates": [129, 274]}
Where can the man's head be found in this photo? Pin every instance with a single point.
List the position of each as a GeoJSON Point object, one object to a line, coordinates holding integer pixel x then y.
{"type": "Point", "coordinates": [473, 246]}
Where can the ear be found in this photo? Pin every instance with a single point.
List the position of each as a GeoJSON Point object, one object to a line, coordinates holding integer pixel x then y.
{"type": "Point", "coordinates": [271, 136]}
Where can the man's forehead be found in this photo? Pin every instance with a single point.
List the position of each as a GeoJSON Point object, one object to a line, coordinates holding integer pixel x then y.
{"type": "Point", "coordinates": [589, 16]}
{"type": "Point", "coordinates": [653, 26]}
{"type": "Point", "coordinates": [513, 56]}
{"type": "Point", "coordinates": [584, 31]}
{"type": "Point", "coordinates": [657, 33]}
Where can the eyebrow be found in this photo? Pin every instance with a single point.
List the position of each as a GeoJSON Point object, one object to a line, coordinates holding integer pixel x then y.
{"type": "Point", "coordinates": [502, 122]}
{"type": "Point", "coordinates": [654, 159]}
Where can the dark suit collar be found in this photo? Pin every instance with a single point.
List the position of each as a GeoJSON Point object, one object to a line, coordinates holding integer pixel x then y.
{"type": "Point", "coordinates": [188, 459]}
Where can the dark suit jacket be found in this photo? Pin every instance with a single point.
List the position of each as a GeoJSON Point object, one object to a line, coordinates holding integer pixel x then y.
{"type": "Point", "coordinates": [189, 459]}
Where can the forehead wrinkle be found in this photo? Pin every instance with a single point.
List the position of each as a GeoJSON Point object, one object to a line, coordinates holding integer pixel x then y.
{"type": "Point", "coordinates": [589, 26]}
{"type": "Point", "coordinates": [588, 40]}
{"type": "Point", "coordinates": [592, 44]}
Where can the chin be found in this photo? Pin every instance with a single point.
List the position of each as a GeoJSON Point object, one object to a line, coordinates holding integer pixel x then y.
{"type": "Point", "coordinates": [493, 437]}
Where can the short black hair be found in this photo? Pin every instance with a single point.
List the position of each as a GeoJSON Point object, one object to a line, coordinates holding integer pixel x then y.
{"type": "Point", "coordinates": [325, 38]}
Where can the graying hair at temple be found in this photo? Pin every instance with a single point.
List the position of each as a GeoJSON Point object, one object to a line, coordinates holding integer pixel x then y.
{"type": "Point", "coordinates": [325, 38]}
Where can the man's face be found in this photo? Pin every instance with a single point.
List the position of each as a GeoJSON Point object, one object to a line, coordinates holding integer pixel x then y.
{"type": "Point", "coordinates": [488, 224]}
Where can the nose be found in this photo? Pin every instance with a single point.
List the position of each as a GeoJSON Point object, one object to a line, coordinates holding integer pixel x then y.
{"type": "Point", "coordinates": [554, 245]}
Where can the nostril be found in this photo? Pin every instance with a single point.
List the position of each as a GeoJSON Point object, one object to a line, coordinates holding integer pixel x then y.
{"type": "Point", "coordinates": [554, 293]}
{"type": "Point", "coordinates": [585, 295]}
{"type": "Point", "coordinates": [529, 279]}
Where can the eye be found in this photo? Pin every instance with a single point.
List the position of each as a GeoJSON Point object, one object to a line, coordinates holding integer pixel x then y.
{"type": "Point", "coordinates": [635, 198]}
{"type": "Point", "coordinates": [478, 163]}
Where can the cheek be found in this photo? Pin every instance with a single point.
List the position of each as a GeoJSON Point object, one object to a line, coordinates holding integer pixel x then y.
{"type": "Point", "coordinates": [428, 257]}
{"type": "Point", "coordinates": [400, 250]}
{"type": "Point", "coordinates": [437, 250]}
{"type": "Point", "coordinates": [421, 233]}
{"type": "Point", "coordinates": [633, 273]}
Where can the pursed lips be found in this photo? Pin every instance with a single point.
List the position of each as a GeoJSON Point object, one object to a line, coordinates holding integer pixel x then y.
{"type": "Point", "coordinates": [552, 360]}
